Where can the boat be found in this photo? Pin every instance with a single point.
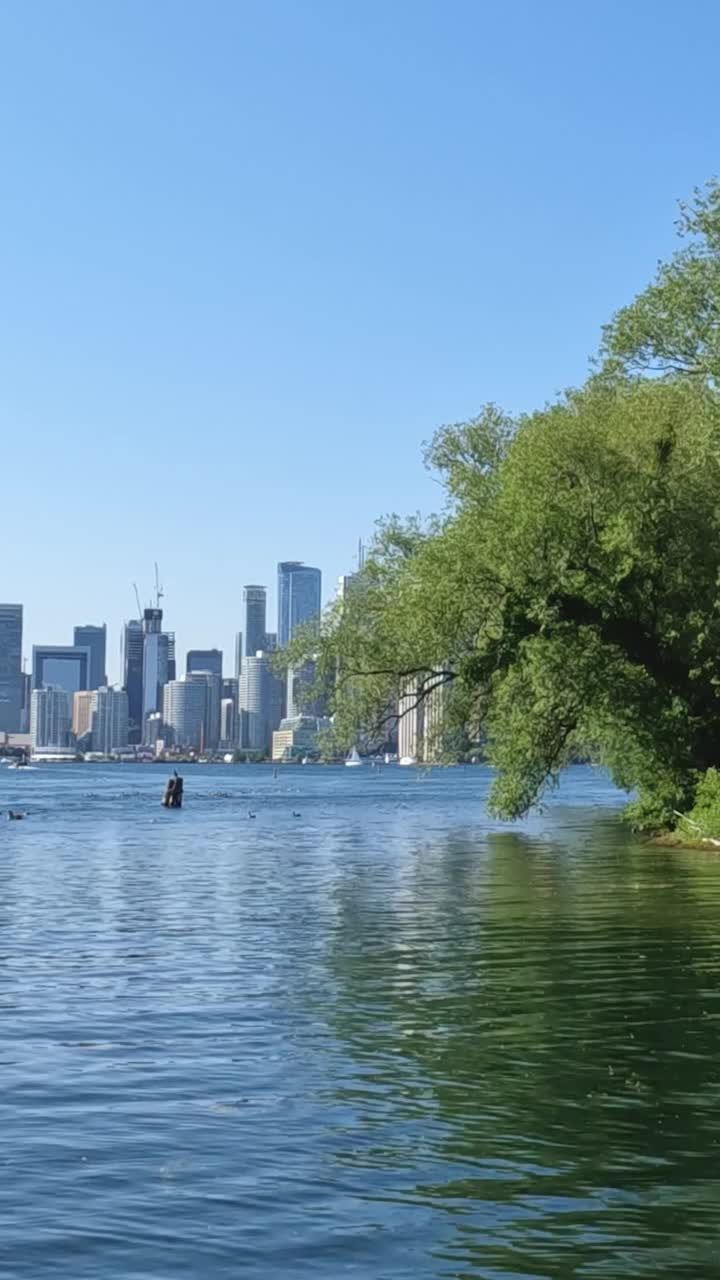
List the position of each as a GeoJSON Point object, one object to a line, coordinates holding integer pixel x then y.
{"type": "Point", "coordinates": [387, 757]}
{"type": "Point", "coordinates": [404, 760]}
{"type": "Point", "coordinates": [353, 759]}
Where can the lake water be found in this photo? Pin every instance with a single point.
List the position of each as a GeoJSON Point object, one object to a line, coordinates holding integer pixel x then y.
{"type": "Point", "coordinates": [386, 1039]}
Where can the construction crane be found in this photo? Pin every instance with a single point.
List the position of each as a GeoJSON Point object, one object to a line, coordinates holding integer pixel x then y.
{"type": "Point", "coordinates": [137, 597]}
{"type": "Point", "coordinates": [159, 593]}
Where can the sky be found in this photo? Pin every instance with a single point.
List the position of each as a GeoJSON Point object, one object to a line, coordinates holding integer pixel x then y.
{"type": "Point", "coordinates": [253, 254]}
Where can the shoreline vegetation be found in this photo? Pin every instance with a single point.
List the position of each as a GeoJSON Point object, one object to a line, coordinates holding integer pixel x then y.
{"type": "Point", "coordinates": [565, 602]}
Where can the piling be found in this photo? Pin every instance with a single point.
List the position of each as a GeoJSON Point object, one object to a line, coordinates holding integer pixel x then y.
{"type": "Point", "coordinates": [173, 797]}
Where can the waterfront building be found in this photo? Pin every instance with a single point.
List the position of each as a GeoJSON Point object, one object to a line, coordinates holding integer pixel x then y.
{"type": "Point", "coordinates": [228, 723]}
{"type": "Point", "coordinates": [50, 719]}
{"type": "Point", "coordinates": [260, 697]}
{"type": "Point", "coordinates": [299, 684]}
{"type": "Point", "coordinates": [156, 731]}
{"type": "Point", "coordinates": [133, 641]}
{"type": "Point", "coordinates": [82, 712]}
{"type": "Point", "coordinates": [109, 720]}
{"type": "Point", "coordinates": [95, 639]}
{"type": "Point", "coordinates": [26, 687]}
{"type": "Point", "coordinates": [61, 666]}
{"type": "Point", "coordinates": [299, 598]}
{"type": "Point", "coordinates": [409, 724]}
{"type": "Point", "coordinates": [184, 711]}
{"type": "Point", "coordinates": [11, 689]}
{"type": "Point", "coordinates": [421, 725]}
{"type": "Point", "coordinates": [212, 684]}
{"type": "Point", "coordinates": [297, 737]}
{"type": "Point", "coordinates": [254, 619]}
{"type": "Point", "coordinates": [238, 653]}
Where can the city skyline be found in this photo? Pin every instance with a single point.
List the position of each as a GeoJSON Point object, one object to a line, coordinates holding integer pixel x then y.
{"type": "Point", "coordinates": [62, 636]}
{"type": "Point", "coordinates": [69, 699]}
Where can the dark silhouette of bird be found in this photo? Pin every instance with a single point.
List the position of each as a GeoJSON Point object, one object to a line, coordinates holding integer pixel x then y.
{"type": "Point", "coordinates": [14, 817]}
{"type": "Point", "coordinates": [251, 814]}
{"type": "Point", "coordinates": [296, 814]}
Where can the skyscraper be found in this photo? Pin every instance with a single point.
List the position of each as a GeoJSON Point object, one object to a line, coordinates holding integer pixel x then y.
{"type": "Point", "coordinates": [11, 687]}
{"type": "Point", "coordinates": [299, 597]}
{"type": "Point", "coordinates": [133, 676]}
{"type": "Point", "coordinates": [184, 707]}
{"type": "Point", "coordinates": [82, 712]}
{"type": "Point", "coordinates": [50, 719]}
{"type": "Point", "coordinates": [94, 639]}
{"type": "Point", "coordinates": [158, 652]}
{"type": "Point", "coordinates": [228, 723]}
{"type": "Point", "coordinates": [170, 646]}
{"type": "Point", "coordinates": [204, 660]}
{"type": "Point", "coordinates": [62, 666]}
{"type": "Point", "coordinates": [231, 689]}
{"type": "Point", "coordinates": [238, 653]}
{"type": "Point", "coordinates": [211, 715]}
{"type": "Point", "coordinates": [254, 619]}
{"type": "Point", "coordinates": [109, 720]}
{"type": "Point", "coordinates": [261, 695]}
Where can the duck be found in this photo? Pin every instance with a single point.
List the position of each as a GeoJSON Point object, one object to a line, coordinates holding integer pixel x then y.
{"type": "Point", "coordinates": [251, 814]}
{"type": "Point", "coordinates": [14, 817]}
{"type": "Point", "coordinates": [296, 814]}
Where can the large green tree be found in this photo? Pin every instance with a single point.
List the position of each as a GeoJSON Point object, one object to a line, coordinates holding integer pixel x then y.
{"type": "Point", "coordinates": [568, 598]}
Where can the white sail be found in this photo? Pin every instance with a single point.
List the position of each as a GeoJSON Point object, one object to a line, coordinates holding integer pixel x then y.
{"type": "Point", "coordinates": [353, 759]}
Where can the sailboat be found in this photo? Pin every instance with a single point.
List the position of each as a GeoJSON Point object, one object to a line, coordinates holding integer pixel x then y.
{"type": "Point", "coordinates": [353, 759]}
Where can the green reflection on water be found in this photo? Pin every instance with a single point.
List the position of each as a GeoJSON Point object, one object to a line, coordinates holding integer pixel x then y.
{"type": "Point", "coordinates": [535, 1028]}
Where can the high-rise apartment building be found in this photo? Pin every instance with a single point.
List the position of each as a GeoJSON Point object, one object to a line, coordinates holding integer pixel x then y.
{"type": "Point", "coordinates": [184, 711]}
{"type": "Point", "coordinates": [299, 597]}
{"type": "Point", "coordinates": [26, 686]}
{"type": "Point", "coordinates": [261, 698]}
{"type": "Point", "coordinates": [11, 688]}
{"type": "Point", "coordinates": [82, 712]}
{"type": "Point", "coordinates": [228, 723]}
{"type": "Point", "coordinates": [133, 641]}
{"type": "Point", "coordinates": [62, 666]}
{"type": "Point", "coordinates": [238, 653]}
{"type": "Point", "coordinates": [94, 639]}
{"type": "Point", "coordinates": [213, 697]}
{"type": "Point", "coordinates": [204, 660]}
{"type": "Point", "coordinates": [171, 661]}
{"type": "Point", "coordinates": [109, 720]}
{"type": "Point", "coordinates": [421, 722]}
{"type": "Point", "coordinates": [158, 654]}
{"type": "Point", "coordinates": [254, 619]}
{"type": "Point", "coordinates": [231, 689]}
{"type": "Point", "coordinates": [50, 719]}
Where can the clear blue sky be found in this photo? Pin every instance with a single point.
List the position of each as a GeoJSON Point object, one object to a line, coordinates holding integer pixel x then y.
{"type": "Point", "coordinates": [252, 254]}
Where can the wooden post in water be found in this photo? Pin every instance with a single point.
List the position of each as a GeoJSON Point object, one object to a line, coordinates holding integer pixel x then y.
{"type": "Point", "coordinates": [173, 796]}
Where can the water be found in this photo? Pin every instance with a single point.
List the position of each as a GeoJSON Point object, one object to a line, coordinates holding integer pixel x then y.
{"type": "Point", "coordinates": [387, 1039]}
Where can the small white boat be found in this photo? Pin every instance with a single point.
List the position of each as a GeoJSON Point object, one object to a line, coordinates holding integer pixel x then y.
{"type": "Point", "coordinates": [353, 759]}
{"type": "Point", "coordinates": [405, 760]}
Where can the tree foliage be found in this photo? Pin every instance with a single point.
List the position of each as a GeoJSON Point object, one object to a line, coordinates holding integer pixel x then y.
{"type": "Point", "coordinates": [568, 596]}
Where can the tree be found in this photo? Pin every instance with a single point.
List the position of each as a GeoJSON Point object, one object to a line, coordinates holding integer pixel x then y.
{"type": "Point", "coordinates": [568, 597]}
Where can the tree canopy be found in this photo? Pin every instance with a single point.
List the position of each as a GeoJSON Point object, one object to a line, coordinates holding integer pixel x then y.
{"type": "Point", "coordinates": [568, 597]}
